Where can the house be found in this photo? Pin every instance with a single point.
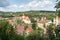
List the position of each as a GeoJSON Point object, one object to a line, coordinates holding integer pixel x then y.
{"type": "Point", "coordinates": [10, 21]}
{"type": "Point", "coordinates": [1, 17]}
{"type": "Point", "coordinates": [40, 25]}
{"type": "Point", "coordinates": [56, 20]}
{"type": "Point", "coordinates": [20, 29]}
{"type": "Point", "coordinates": [28, 30]}
{"type": "Point", "coordinates": [26, 19]}
{"type": "Point", "coordinates": [43, 23]}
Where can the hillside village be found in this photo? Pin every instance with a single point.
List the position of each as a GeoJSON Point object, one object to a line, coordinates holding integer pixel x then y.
{"type": "Point", "coordinates": [23, 24]}
{"type": "Point", "coordinates": [29, 19]}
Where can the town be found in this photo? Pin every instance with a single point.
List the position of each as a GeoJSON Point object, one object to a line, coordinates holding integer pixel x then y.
{"type": "Point", "coordinates": [29, 19]}
{"type": "Point", "coordinates": [26, 25]}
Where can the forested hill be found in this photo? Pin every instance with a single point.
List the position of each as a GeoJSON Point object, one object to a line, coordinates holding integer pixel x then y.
{"type": "Point", "coordinates": [31, 12]}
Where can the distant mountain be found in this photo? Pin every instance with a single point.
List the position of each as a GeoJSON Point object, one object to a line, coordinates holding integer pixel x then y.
{"type": "Point", "coordinates": [31, 11]}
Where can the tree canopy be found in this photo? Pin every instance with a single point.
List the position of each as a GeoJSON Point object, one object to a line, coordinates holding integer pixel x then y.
{"type": "Point", "coordinates": [58, 8]}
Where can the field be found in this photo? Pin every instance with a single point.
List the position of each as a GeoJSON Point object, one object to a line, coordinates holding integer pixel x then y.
{"type": "Point", "coordinates": [29, 13]}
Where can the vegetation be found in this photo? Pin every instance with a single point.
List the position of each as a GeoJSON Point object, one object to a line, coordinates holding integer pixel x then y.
{"type": "Point", "coordinates": [35, 35]}
{"type": "Point", "coordinates": [29, 13]}
{"type": "Point", "coordinates": [7, 33]}
{"type": "Point", "coordinates": [33, 24]}
{"type": "Point", "coordinates": [58, 8]}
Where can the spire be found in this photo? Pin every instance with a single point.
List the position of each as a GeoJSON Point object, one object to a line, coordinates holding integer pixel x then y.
{"type": "Point", "coordinates": [23, 15]}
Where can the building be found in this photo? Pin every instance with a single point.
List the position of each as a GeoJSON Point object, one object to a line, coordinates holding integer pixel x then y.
{"type": "Point", "coordinates": [28, 30]}
{"type": "Point", "coordinates": [20, 29]}
{"type": "Point", "coordinates": [43, 23]}
{"type": "Point", "coordinates": [26, 19]}
{"type": "Point", "coordinates": [56, 20]}
{"type": "Point", "coordinates": [11, 21]}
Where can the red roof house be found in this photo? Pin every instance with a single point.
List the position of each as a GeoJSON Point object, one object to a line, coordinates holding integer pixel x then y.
{"type": "Point", "coordinates": [29, 29]}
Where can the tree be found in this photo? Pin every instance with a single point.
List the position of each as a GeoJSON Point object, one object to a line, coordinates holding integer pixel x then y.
{"type": "Point", "coordinates": [58, 8]}
{"type": "Point", "coordinates": [50, 31]}
{"type": "Point", "coordinates": [35, 35]}
{"type": "Point", "coordinates": [7, 32]}
{"type": "Point", "coordinates": [33, 23]}
{"type": "Point", "coordinates": [19, 22]}
{"type": "Point", "coordinates": [57, 31]}
{"type": "Point", "coordinates": [4, 29]}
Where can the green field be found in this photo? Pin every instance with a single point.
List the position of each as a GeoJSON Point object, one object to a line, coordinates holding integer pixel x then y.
{"type": "Point", "coordinates": [48, 14]}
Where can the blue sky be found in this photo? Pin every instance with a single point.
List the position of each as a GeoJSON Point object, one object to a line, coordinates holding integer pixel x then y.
{"type": "Point", "coordinates": [26, 5]}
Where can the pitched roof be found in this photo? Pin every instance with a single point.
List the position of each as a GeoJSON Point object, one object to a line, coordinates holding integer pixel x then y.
{"type": "Point", "coordinates": [11, 21]}
{"type": "Point", "coordinates": [19, 29]}
{"type": "Point", "coordinates": [29, 29]}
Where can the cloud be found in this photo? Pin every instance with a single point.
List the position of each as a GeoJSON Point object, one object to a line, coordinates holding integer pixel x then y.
{"type": "Point", "coordinates": [9, 8]}
{"type": "Point", "coordinates": [4, 3]}
{"type": "Point", "coordinates": [12, 6]}
{"type": "Point", "coordinates": [32, 5]}
{"type": "Point", "coordinates": [37, 4]}
{"type": "Point", "coordinates": [46, 4]}
{"type": "Point", "coordinates": [1, 9]}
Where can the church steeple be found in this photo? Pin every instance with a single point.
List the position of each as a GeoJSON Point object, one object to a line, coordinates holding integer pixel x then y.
{"type": "Point", "coordinates": [23, 15]}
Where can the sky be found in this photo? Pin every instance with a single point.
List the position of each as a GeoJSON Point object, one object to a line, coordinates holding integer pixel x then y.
{"type": "Point", "coordinates": [27, 5]}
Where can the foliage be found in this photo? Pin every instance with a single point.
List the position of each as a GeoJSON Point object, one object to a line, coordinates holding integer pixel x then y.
{"type": "Point", "coordinates": [57, 5]}
{"type": "Point", "coordinates": [33, 23]}
{"type": "Point", "coordinates": [19, 22]}
{"type": "Point", "coordinates": [57, 30]}
{"type": "Point", "coordinates": [7, 32]}
{"type": "Point", "coordinates": [50, 32]}
{"type": "Point", "coordinates": [4, 26]}
{"type": "Point", "coordinates": [34, 36]}
{"type": "Point", "coordinates": [58, 8]}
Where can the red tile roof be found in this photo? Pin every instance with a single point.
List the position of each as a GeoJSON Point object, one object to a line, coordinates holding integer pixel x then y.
{"type": "Point", "coordinates": [11, 21]}
{"type": "Point", "coordinates": [29, 29]}
{"type": "Point", "coordinates": [19, 29]}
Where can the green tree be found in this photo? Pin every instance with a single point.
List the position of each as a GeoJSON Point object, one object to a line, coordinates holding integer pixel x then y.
{"type": "Point", "coordinates": [35, 35]}
{"type": "Point", "coordinates": [57, 31]}
{"type": "Point", "coordinates": [4, 26]}
{"type": "Point", "coordinates": [58, 8]}
{"type": "Point", "coordinates": [50, 31]}
{"type": "Point", "coordinates": [19, 22]}
{"type": "Point", "coordinates": [7, 32]}
{"type": "Point", "coordinates": [33, 23]}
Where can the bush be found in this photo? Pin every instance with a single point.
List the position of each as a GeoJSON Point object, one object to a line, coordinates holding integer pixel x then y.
{"type": "Point", "coordinates": [34, 36]}
{"type": "Point", "coordinates": [7, 32]}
